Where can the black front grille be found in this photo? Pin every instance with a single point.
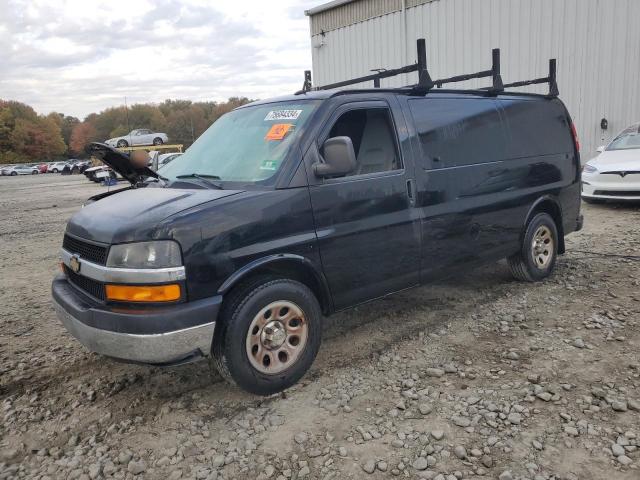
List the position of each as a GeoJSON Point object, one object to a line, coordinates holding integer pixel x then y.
{"type": "Point", "coordinates": [88, 285]}
{"type": "Point", "coordinates": [88, 251]}
{"type": "Point", "coordinates": [618, 193]}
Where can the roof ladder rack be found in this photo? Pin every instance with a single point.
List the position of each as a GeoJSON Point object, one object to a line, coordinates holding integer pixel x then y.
{"type": "Point", "coordinates": [425, 83]}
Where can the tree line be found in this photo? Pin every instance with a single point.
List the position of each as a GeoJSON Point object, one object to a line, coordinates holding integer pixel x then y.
{"type": "Point", "coordinates": [26, 136]}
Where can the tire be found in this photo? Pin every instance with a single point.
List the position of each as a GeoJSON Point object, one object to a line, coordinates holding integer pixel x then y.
{"type": "Point", "coordinates": [122, 144]}
{"type": "Point", "coordinates": [55, 170]}
{"type": "Point", "coordinates": [13, 174]}
{"type": "Point", "coordinates": [240, 355]}
{"type": "Point", "coordinates": [539, 250]}
{"type": "Point", "coordinates": [35, 172]}
{"type": "Point", "coordinates": [157, 141]}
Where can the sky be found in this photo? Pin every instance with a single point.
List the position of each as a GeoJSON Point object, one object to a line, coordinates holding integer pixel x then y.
{"type": "Point", "coordinates": [82, 56]}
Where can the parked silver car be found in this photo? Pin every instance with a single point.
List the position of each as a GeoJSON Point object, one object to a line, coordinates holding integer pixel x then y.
{"type": "Point", "coordinates": [21, 170]}
{"type": "Point", "coordinates": [141, 136]}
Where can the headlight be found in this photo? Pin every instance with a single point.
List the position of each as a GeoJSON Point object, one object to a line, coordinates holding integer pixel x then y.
{"type": "Point", "coordinates": [589, 169]}
{"type": "Point", "coordinates": [158, 254]}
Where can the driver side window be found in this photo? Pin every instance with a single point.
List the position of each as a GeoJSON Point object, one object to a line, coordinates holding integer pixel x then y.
{"type": "Point", "coordinates": [373, 136]}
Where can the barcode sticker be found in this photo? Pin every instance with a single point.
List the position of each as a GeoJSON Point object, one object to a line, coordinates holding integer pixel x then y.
{"type": "Point", "coordinates": [282, 115]}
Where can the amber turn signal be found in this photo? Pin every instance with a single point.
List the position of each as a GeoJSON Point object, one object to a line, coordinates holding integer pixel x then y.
{"type": "Point", "coordinates": [146, 293]}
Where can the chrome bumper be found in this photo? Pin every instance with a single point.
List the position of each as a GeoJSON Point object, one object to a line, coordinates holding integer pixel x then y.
{"type": "Point", "coordinates": [159, 348]}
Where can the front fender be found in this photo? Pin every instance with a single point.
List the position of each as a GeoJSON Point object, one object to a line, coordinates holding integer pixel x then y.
{"type": "Point", "coordinates": [285, 263]}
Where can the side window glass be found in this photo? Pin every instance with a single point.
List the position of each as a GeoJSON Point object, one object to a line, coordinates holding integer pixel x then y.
{"type": "Point", "coordinates": [456, 132]}
{"type": "Point", "coordinates": [374, 141]}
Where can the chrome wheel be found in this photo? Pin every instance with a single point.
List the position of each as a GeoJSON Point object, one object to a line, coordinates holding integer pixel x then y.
{"type": "Point", "coordinates": [542, 247]}
{"type": "Point", "coordinates": [277, 337]}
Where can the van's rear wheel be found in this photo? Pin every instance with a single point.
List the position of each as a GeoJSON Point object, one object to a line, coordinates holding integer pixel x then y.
{"type": "Point", "coordinates": [269, 335]}
{"type": "Point", "coordinates": [538, 253]}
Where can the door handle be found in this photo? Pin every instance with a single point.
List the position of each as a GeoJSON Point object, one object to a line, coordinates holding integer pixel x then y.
{"type": "Point", "coordinates": [411, 191]}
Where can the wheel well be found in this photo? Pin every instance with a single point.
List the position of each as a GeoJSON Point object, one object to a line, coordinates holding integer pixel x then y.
{"type": "Point", "coordinates": [550, 207]}
{"type": "Point", "coordinates": [292, 270]}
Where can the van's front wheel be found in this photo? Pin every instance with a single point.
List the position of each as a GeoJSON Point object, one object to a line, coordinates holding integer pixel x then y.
{"type": "Point", "coordinates": [270, 332]}
{"type": "Point", "coordinates": [537, 256]}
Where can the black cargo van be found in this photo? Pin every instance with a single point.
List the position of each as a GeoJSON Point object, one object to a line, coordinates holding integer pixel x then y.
{"type": "Point", "coordinates": [290, 209]}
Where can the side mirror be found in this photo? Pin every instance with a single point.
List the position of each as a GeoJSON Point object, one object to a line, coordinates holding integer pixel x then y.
{"type": "Point", "coordinates": [339, 158]}
{"type": "Point", "coordinates": [601, 148]}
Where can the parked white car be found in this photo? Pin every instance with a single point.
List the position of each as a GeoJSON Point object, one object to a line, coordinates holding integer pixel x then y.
{"type": "Point", "coordinates": [141, 136]}
{"type": "Point", "coordinates": [21, 170]}
{"type": "Point", "coordinates": [615, 173]}
{"type": "Point", "coordinates": [56, 167]}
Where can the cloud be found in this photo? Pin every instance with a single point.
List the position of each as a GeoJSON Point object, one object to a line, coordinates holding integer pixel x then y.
{"type": "Point", "coordinates": [78, 56]}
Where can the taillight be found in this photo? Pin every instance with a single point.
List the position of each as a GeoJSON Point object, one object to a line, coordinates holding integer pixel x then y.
{"type": "Point", "coordinates": [575, 137]}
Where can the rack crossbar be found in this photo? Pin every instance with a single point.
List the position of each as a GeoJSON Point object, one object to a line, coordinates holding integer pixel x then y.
{"type": "Point", "coordinates": [463, 78]}
{"type": "Point", "coordinates": [373, 76]}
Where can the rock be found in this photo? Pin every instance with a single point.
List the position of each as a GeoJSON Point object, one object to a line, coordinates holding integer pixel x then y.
{"type": "Point", "coordinates": [617, 450]}
{"type": "Point", "coordinates": [300, 438]}
{"type": "Point", "coordinates": [533, 378]}
{"type": "Point", "coordinates": [95, 469]}
{"type": "Point", "coordinates": [124, 457]}
{"type": "Point", "coordinates": [269, 471]}
{"type": "Point", "coordinates": [487, 461]}
{"type": "Point", "coordinates": [624, 460]}
{"type": "Point", "coordinates": [397, 443]}
{"type": "Point", "coordinates": [425, 408]}
{"type": "Point", "coordinates": [514, 418]}
{"type": "Point", "coordinates": [569, 430]}
{"type": "Point", "coordinates": [434, 372]}
{"type": "Point", "coordinates": [342, 451]}
{"type": "Point", "coordinates": [276, 420]}
{"type": "Point", "coordinates": [618, 406]}
{"type": "Point", "coordinates": [460, 452]}
{"type": "Point", "coordinates": [420, 463]}
{"type": "Point", "coordinates": [304, 471]}
{"type": "Point", "coordinates": [545, 396]}
{"type": "Point", "coordinates": [578, 343]}
{"type": "Point", "coordinates": [315, 452]}
{"type": "Point", "coordinates": [506, 475]}
{"type": "Point", "coordinates": [461, 421]}
{"type": "Point", "coordinates": [382, 466]}
{"type": "Point", "coordinates": [437, 434]}
{"type": "Point", "coordinates": [369, 466]}
{"type": "Point", "coordinates": [137, 466]}
{"type": "Point", "coordinates": [513, 356]}
{"type": "Point", "coordinates": [218, 461]}
{"type": "Point", "coordinates": [175, 475]}
{"type": "Point", "coordinates": [633, 405]}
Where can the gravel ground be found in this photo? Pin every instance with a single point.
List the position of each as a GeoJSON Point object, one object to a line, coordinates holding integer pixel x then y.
{"type": "Point", "coordinates": [476, 377]}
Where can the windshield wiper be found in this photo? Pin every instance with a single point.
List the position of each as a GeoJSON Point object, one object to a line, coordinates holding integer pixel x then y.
{"type": "Point", "coordinates": [204, 178]}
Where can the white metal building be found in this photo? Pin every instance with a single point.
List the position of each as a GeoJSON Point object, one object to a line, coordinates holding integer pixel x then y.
{"type": "Point", "coordinates": [596, 42]}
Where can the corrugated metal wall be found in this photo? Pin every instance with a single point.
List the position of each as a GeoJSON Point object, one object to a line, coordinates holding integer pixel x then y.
{"type": "Point", "coordinates": [596, 42]}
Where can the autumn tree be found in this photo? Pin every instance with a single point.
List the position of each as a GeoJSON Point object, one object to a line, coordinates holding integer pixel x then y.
{"type": "Point", "coordinates": [81, 135]}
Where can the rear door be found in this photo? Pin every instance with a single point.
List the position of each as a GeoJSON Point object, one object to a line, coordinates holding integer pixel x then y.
{"type": "Point", "coordinates": [367, 227]}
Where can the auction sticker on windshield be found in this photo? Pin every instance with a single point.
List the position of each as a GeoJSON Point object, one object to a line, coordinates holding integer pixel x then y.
{"type": "Point", "coordinates": [282, 115]}
{"type": "Point", "coordinates": [278, 131]}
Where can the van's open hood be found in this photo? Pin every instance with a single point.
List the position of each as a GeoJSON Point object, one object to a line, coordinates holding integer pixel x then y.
{"type": "Point", "coordinates": [120, 163]}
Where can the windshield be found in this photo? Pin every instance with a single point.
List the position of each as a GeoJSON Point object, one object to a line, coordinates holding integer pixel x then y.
{"type": "Point", "coordinates": [627, 140]}
{"type": "Point", "coordinates": [246, 145]}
